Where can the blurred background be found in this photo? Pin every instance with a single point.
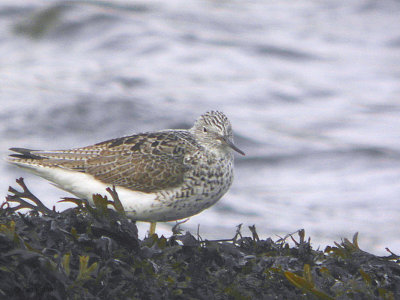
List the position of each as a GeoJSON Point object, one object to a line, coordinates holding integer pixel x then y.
{"type": "Point", "coordinates": [312, 89]}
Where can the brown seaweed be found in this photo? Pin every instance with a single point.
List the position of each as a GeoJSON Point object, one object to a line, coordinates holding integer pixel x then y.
{"type": "Point", "coordinates": [94, 253]}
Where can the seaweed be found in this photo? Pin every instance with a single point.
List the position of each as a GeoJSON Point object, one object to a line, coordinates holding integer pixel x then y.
{"type": "Point", "coordinates": [94, 252]}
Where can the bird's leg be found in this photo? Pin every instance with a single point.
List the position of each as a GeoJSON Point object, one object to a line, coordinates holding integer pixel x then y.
{"type": "Point", "coordinates": [152, 229]}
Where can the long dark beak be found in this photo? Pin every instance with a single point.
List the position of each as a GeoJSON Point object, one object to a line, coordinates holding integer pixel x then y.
{"type": "Point", "coordinates": [232, 145]}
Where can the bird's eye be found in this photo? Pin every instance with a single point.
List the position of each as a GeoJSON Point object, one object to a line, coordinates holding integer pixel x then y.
{"type": "Point", "coordinates": [204, 129]}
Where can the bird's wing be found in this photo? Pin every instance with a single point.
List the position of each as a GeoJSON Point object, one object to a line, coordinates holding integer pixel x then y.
{"type": "Point", "coordinates": [145, 162]}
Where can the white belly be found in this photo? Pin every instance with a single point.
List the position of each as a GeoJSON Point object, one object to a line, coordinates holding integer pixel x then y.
{"type": "Point", "coordinates": [153, 207]}
{"type": "Point", "coordinates": [84, 186]}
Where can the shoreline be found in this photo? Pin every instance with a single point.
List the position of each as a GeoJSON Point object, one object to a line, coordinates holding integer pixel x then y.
{"type": "Point", "coordinates": [95, 253]}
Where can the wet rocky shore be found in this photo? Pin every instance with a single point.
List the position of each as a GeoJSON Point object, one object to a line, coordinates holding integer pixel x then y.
{"type": "Point", "coordinates": [95, 253]}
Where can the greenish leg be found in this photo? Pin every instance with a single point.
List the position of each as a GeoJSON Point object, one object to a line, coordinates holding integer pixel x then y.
{"type": "Point", "coordinates": [152, 228]}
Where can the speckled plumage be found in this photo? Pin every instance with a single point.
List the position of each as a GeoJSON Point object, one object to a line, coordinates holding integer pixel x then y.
{"type": "Point", "coordinates": [159, 176]}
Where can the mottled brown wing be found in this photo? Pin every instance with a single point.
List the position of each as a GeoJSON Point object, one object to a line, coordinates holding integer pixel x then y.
{"type": "Point", "coordinates": [144, 162]}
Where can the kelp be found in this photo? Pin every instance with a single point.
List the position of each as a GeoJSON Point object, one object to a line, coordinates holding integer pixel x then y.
{"type": "Point", "coordinates": [94, 253]}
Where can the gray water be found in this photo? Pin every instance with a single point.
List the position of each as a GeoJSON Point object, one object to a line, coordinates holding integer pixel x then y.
{"type": "Point", "coordinates": [312, 89]}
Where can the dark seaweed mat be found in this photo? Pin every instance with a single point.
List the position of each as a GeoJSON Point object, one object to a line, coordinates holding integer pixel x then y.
{"type": "Point", "coordinates": [42, 256]}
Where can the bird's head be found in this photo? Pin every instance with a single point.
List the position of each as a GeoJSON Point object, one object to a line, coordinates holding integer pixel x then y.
{"type": "Point", "coordinates": [214, 131]}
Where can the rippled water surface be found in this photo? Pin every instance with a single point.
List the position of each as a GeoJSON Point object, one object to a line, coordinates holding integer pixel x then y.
{"type": "Point", "coordinates": [312, 89]}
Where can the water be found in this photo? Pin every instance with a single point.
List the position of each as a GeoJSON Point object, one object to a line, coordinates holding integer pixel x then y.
{"type": "Point", "coordinates": [311, 88]}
